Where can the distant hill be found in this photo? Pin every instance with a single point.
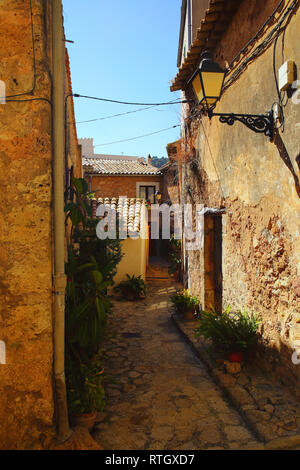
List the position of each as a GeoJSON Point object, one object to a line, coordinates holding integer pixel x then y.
{"type": "Point", "coordinates": [159, 161]}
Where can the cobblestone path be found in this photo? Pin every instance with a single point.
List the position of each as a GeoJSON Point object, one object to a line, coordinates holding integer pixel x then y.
{"type": "Point", "coordinates": [159, 396]}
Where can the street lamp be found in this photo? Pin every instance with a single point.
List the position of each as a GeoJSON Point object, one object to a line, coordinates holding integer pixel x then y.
{"type": "Point", "coordinates": [158, 196]}
{"type": "Point", "coordinates": [207, 83]}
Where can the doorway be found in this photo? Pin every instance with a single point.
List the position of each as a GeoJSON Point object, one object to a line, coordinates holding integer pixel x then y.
{"type": "Point", "coordinates": [213, 272]}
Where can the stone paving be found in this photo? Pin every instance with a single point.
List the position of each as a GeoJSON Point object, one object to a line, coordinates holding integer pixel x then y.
{"type": "Point", "coordinates": [159, 396]}
{"type": "Point", "coordinates": [269, 407]}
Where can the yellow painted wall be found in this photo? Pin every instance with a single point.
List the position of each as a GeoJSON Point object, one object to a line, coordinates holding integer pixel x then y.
{"type": "Point", "coordinates": [134, 260]}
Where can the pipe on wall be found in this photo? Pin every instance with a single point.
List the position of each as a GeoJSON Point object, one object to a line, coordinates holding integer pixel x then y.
{"type": "Point", "coordinates": [59, 278]}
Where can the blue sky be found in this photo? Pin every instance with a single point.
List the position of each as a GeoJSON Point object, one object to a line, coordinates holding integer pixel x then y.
{"type": "Point", "coordinates": [124, 50]}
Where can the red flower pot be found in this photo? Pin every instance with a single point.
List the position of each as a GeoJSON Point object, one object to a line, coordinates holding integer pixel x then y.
{"type": "Point", "coordinates": [235, 357]}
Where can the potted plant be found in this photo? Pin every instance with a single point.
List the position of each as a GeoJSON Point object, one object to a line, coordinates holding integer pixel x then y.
{"type": "Point", "coordinates": [133, 288]}
{"type": "Point", "coordinates": [175, 257]}
{"type": "Point", "coordinates": [185, 304]}
{"type": "Point", "coordinates": [85, 393]}
{"type": "Point", "coordinates": [233, 334]}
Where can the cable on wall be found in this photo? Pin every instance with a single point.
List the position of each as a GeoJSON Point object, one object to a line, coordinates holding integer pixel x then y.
{"type": "Point", "coordinates": [256, 36]}
{"type": "Point", "coordinates": [261, 47]}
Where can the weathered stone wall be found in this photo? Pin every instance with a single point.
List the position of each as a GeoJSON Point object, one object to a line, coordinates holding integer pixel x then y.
{"type": "Point", "coordinates": [258, 183]}
{"type": "Point", "coordinates": [74, 153]}
{"type": "Point", "coordinates": [170, 185]}
{"type": "Point", "coordinates": [26, 392]}
{"type": "Point", "coordinates": [170, 189]}
{"type": "Point", "coordinates": [27, 411]}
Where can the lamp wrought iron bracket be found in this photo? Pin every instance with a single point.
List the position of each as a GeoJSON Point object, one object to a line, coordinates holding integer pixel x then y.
{"type": "Point", "coordinates": [259, 123]}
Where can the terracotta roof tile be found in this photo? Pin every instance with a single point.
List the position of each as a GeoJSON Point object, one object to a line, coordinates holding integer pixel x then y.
{"type": "Point", "coordinates": [217, 19]}
{"type": "Point", "coordinates": [118, 167]}
{"type": "Point", "coordinates": [131, 211]}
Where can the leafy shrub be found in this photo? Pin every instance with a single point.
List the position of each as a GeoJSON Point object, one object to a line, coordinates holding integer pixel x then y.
{"type": "Point", "coordinates": [84, 386]}
{"type": "Point", "coordinates": [132, 288]}
{"type": "Point", "coordinates": [90, 269]}
{"type": "Point", "coordinates": [174, 255]}
{"type": "Point", "coordinates": [183, 301]}
{"type": "Point", "coordinates": [86, 304]}
{"type": "Point", "coordinates": [229, 332]}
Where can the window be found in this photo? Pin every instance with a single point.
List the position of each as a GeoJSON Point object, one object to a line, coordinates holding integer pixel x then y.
{"type": "Point", "coordinates": [147, 193]}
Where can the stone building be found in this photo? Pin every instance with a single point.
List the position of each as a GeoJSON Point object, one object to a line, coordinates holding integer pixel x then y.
{"type": "Point", "coordinates": [248, 184]}
{"type": "Point", "coordinates": [34, 171]}
{"type": "Point", "coordinates": [170, 171]}
{"type": "Point", "coordinates": [120, 175]}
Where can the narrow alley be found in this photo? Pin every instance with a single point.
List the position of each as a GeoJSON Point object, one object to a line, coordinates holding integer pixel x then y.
{"type": "Point", "coordinates": [159, 396]}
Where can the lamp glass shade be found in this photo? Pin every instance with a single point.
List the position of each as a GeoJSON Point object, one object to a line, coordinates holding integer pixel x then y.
{"type": "Point", "coordinates": [208, 81]}
{"type": "Point", "coordinates": [197, 86]}
{"type": "Point", "coordinates": [212, 83]}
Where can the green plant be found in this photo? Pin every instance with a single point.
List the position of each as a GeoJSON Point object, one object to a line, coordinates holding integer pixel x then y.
{"type": "Point", "coordinates": [132, 288]}
{"type": "Point", "coordinates": [183, 301]}
{"type": "Point", "coordinates": [84, 386]}
{"type": "Point", "coordinates": [229, 332]}
{"type": "Point", "coordinates": [90, 269]}
{"type": "Point", "coordinates": [86, 305]}
{"type": "Point", "coordinates": [174, 255]}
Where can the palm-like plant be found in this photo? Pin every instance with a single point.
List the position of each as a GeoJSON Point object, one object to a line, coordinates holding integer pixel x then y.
{"type": "Point", "coordinates": [132, 288]}
{"type": "Point", "coordinates": [229, 332]}
{"type": "Point", "coordinates": [183, 301]}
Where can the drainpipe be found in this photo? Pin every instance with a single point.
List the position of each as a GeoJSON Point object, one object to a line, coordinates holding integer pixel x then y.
{"type": "Point", "coordinates": [59, 278]}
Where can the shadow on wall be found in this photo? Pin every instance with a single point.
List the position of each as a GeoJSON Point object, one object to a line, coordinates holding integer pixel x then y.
{"type": "Point", "coordinates": [286, 159]}
{"type": "Point", "coordinates": [282, 363]}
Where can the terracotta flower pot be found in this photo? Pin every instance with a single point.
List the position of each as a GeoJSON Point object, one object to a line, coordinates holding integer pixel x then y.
{"type": "Point", "coordinates": [235, 357]}
{"type": "Point", "coordinates": [86, 420]}
{"type": "Point", "coordinates": [189, 315]}
{"type": "Point", "coordinates": [129, 295]}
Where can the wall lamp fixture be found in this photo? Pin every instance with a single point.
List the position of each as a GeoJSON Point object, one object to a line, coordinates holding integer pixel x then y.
{"type": "Point", "coordinates": [158, 196]}
{"type": "Point", "coordinates": [207, 83]}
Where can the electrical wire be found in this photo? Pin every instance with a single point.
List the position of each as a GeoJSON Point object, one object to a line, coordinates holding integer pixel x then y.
{"type": "Point", "coordinates": [280, 100]}
{"type": "Point", "coordinates": [76, 95]}
{"type": "Point", "coordinates": [138, 137]}
{"type": "Point", "coordinates": [113, 115]}
{"type": "Point", "coordinates": [257, 35]}
{"type": "Point", "coordinates": [29, 99]}
{"type": "Point", "coordinates": [261, 47]}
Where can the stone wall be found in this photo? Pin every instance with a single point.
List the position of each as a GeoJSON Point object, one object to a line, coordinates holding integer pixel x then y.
{"type": "Point", "coordinates": [27, 409]}
{"type": "Point", "coordinates": [115, 186]}
{"type": "Point", "coordinates": [26, 389]}
{"type": "Point", "coordinates": [74, 158]}
{"type": "Point", "coordinates": [170, 185]}
{"type": "Point", "coordinates": [171, 191]}
{"type": "Point", "coordinates": [258, 183]}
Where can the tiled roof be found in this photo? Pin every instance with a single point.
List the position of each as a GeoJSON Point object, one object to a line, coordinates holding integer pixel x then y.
{"type": "Point", "coordinates": [118, 167]}
{"type": "Point", "coordinates": [112, 157]}
{"type": "Point", "coordinates": [217, 18]}
{"type": "Point", "coordinates": [131, 211]}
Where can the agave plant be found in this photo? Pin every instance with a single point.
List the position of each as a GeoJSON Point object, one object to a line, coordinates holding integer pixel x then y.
{"type": "Point", "coordinates": [132, 288]}
{"type": "Point", "coordinates": [228, 331]}
{"type": "Point", "coordinates": [183, 301]}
